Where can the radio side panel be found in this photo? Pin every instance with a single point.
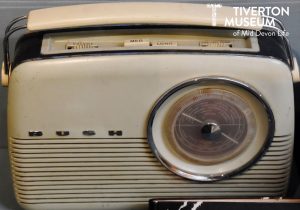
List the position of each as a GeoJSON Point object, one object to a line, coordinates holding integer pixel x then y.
{"type": "Point", "coordinates": [117, 92]}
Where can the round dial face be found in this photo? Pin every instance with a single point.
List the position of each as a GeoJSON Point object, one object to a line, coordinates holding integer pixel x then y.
{"type": "Point", "coordinates": [210, 125]}
{"type": "Point", "coordinates": [211, 128]}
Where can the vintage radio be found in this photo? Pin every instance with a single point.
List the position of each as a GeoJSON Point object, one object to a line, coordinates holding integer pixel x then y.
{"type": "Point", "coordinates": [111, 105]}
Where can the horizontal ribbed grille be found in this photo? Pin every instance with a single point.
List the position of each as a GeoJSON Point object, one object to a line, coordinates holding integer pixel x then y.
{"type": "Point", "coordinates": [124, 172]}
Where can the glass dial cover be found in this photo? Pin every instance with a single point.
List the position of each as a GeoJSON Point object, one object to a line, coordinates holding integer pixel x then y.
{"type": "Point", "coordinates": [210, 125]}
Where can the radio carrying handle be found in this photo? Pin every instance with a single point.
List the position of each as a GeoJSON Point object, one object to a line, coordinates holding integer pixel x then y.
{"type": "Point", "coordinates": [129, 13]}
{"type": "Point", "coordinates": [6, 65]}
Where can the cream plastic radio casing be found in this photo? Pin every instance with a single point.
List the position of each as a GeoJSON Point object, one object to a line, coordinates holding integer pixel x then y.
{"type": "Point", "coordinates": [103, 92]}
{"type": "Point", "coordinates": [117, 93]}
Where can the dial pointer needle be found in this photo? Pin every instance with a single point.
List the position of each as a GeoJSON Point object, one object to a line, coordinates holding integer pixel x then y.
{"type": "Point", "coordinates": [199, 121]}
{"type": "Point", "coordinates": [193, 118]}
{"type": "Point", "coordinates": [229, 138]}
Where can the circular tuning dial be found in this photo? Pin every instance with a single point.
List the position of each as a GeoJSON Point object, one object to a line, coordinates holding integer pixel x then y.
{"type": "Point", "coordinates": [210, 125]}
{"type": "Point", "coordinates": [208, 129]}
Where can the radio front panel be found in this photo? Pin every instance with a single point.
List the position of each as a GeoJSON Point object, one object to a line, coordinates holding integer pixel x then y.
{"type": "Point", "coordinates": [101, 96]}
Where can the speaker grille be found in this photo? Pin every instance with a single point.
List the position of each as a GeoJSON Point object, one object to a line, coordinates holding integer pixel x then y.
{"type": "Point", "coordinates": [123, 173]}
